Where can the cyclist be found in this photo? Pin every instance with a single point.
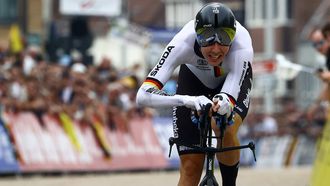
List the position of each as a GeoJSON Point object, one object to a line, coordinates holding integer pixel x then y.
{"type": "Point", "coordinates": [214, 53]}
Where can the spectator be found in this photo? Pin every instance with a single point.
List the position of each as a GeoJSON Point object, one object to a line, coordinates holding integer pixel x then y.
{"type": "Point", "coordinates": [31, 57]}
{"type": "Point", "coordinates": [323, 47]}
{"type": "Point", "coordinates": [117, 118]}
{"type": "Point", "coordinates": [266, 126]}
{"type": "Point", "coordinates": [247, 131]}
{"type": "Point", "coordinates": [294, 120]}
{"type": "Point", "coordinates": [35, 102]}
{"type": "Point", "coordinates": [317, 121]}
{"type": "Point", "coordinates": [17, 85]}
{"type": "Point", "coordinates": [105, 70]}
{"type": "Point", "coordinates": [318, 41]}
{"type": "Point", "coordinates": [326, 35]}
{"type": "Point", "coordinates": [4, 98]}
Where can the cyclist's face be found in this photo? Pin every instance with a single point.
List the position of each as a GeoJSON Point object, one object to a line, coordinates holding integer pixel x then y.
{"type": "Point", "coordinates": [215, 53]}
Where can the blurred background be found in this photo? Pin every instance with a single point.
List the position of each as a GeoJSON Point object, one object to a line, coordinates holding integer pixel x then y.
{"type": "Point", "coordinates": [69, 72]}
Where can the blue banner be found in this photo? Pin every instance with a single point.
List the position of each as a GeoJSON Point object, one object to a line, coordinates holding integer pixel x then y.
{"type": "Point", "coordinates": [8, 162]}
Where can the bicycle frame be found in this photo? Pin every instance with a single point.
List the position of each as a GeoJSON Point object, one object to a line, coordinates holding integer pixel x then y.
{"type": "Point", "coordinates": [206, 145]}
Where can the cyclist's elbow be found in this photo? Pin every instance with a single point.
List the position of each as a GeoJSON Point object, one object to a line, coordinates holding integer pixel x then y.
{"type": "Point", "coordinates": [141, 98]}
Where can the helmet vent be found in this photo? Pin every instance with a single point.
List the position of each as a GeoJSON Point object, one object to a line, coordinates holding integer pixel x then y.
{"type": "Point", "coordinates": [216, 20]}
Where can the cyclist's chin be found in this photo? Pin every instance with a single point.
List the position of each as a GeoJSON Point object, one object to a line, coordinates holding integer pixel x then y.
{"type": "Point", "coordinates": [214, 62]}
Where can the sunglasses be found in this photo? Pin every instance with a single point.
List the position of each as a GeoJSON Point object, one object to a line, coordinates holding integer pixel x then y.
{"type": "Point", "coordinates": [209, 36]}
{"type": "Point", "coordinates": [318, 44]}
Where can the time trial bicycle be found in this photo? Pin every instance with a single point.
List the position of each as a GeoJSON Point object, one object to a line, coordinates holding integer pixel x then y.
{"type": "Point", "coordinates": [206, 136]}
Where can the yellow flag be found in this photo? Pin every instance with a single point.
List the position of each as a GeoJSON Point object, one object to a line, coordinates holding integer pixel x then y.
{"type": "Point", "coordinates": [15, 39]}
{"type": "Point", "coordinates": [321, 169]}
{"type": "Point", "coordinates": [70, 130]}
{"type": "Point", "coordinates": [101, 137]}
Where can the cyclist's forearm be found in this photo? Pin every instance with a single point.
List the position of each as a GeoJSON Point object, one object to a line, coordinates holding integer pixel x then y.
{"type": "Point", "coordinates": [152, 97]}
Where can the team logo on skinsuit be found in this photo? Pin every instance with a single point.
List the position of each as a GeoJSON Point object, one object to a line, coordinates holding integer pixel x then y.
{"type": "Point", "coordinates": [243, 100]}
{"type": "Point", "coordinates": [162, 60]}
{"type": "Point", "coordinates": [246, 101]}
{"type": "Point", "coordinates": [202, 64]}
{"type": "Point", "coordinates": [248, 74]}
{"type": "Point", "coordinates": [175, 125]}
{"type": "Point", "coordinates": [245, 66]}
{"type": "Point", "coordinates": [154, 90]}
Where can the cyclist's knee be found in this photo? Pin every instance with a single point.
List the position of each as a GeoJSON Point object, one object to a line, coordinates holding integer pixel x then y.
{"type": "Point", "coordinates": [192, 164]}
{"type": "Point", "coordinates": [232, 130]}
{"type": "Point", "coordinates": [230, 140]}
{"type": "Point", "coordinates": [230, 137]}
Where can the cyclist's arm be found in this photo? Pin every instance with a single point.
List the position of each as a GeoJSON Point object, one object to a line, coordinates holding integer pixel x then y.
{"type": "Point", "coordinates": [154, 97]}
{"type": "Point", "coordinates": [239, 60]}
{"type": "Point", "coordinates": [151, 96]}
{"type": "Point", "coordinates": [150, 93]}
{"type": "Point", "coordinates": [178, 51]}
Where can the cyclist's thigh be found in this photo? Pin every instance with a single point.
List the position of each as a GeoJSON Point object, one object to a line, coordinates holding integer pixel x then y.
{"type": "Point", "coordinates": [191, 168]}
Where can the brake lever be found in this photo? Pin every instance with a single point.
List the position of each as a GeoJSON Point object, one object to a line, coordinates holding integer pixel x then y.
{"type": "Point", "coordinates": [171, 142]}
{"type": "Point", "coordinates": [253, 149]}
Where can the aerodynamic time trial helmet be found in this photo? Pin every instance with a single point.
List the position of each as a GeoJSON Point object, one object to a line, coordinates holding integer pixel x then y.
{"type": "Point", "coordinates": [215, 22]}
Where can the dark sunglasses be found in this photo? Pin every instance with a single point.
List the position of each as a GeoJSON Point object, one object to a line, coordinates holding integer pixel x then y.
{"type": "Point", "coordinates": [209, 36]}
{"type": "Point", "coordinates": [318, 44]}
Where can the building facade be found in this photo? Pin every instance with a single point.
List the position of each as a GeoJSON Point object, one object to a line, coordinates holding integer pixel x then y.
{"type": "Point", "coordinates": [276, 27]}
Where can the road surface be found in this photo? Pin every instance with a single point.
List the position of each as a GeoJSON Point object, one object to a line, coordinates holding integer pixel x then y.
{"type": "Point", "coordinates": [298, 176]}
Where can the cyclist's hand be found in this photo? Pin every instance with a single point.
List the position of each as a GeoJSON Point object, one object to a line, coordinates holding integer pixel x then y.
{"type": "Point", "coordinates": [223, 105]}
{"type": "Point", "coordinates": [195, 102]}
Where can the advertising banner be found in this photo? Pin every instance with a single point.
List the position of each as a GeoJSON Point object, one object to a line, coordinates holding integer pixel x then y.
{"type": "Point", "coordinates": [304, 152]}
{"type": "Point", "coordinates": [138, 148]}
{"type": "Point", "coordinates": [91, 7]}
{"type": "Point", "coordinates": [272, 151]}
{"type": "Point", "coordinates": [8, 163]}
{"type": "Point", "coordinates": [81, 147]}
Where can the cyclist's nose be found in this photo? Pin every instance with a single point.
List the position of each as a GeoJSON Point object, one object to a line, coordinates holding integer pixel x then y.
{"type": "Point", "coordinates": [216, 46]}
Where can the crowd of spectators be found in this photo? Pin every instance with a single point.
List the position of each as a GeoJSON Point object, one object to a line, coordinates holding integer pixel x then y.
{"type": "Point", "coordinates": [291, 120]}
{"type": "Point", "coordinates": [29, 82]}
